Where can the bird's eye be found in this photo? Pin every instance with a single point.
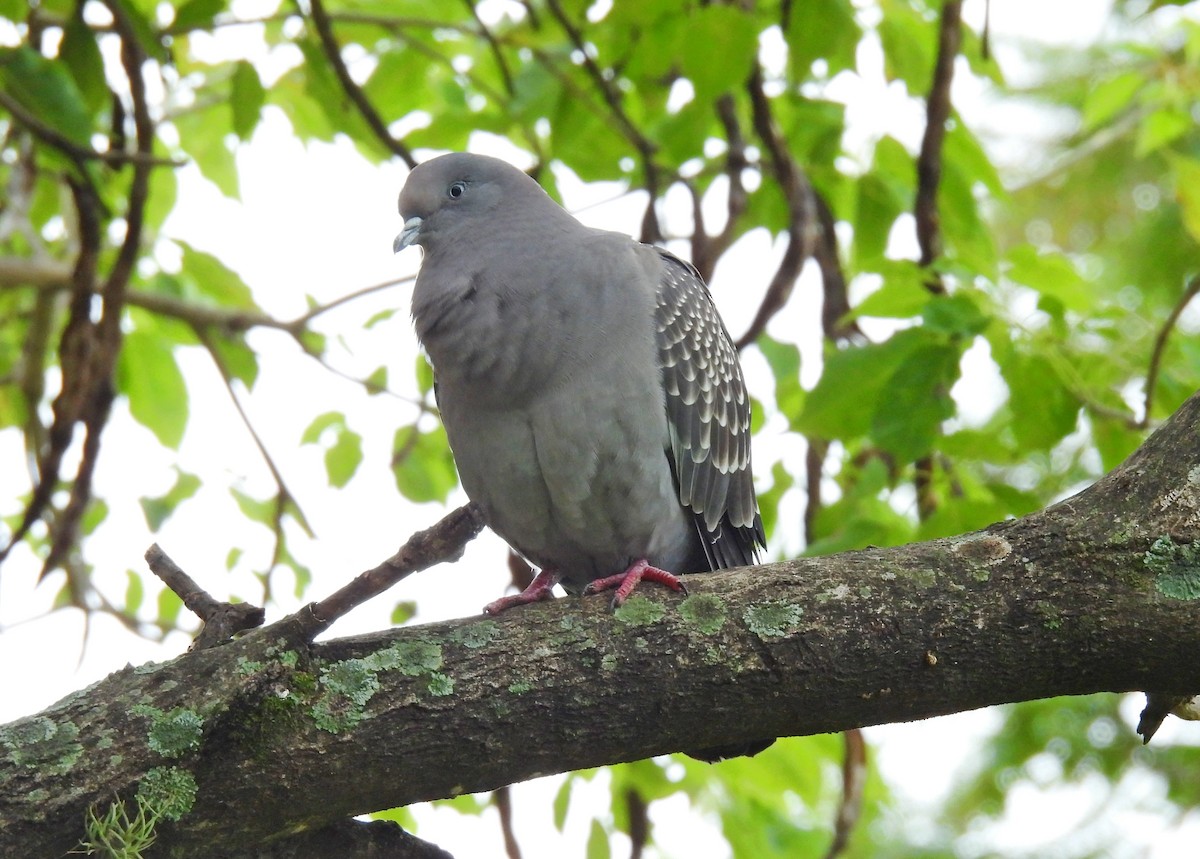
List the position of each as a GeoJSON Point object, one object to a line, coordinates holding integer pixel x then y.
{"type": "Point", "coordinates": [457, 190]}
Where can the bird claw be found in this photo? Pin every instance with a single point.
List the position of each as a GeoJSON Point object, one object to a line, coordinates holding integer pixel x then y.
{"type": "Point", "coordinates": [541, 588]}
{"type": "Point", "coordinates": [625, 582]}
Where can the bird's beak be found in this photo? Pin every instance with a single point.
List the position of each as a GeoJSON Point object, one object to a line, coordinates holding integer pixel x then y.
{"type": "Point", "coordinates": [412, 229]}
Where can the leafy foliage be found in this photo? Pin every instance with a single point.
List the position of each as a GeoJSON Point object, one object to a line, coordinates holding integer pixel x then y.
{"type": "Point", "coordinates": [1057, 284]}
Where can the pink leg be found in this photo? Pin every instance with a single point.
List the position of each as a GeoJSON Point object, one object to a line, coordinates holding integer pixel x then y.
{"type": "Point", "coordinates": [625, 582]}
{"type": "Point", "coordinates": [541, 588]}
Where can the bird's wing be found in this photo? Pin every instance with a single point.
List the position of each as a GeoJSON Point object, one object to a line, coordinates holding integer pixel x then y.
{"type": "Point", "coordinates": [708, 415]}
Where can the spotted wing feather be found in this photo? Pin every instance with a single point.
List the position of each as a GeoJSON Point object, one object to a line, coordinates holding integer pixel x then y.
{"type": "Point", "coordinates": [708, 417]}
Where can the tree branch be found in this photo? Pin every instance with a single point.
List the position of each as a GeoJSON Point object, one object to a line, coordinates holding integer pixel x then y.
{"type": "Point", "coordinates": [1097, 593]}
{"type": "Point", "coordinates": [353, 91]}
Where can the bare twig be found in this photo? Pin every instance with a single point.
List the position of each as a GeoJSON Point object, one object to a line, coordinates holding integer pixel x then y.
{"type": "Point", "coordinates": [1160, 345]}
{"type": "Point", "coordinates": [442, 542]}
{"type": "Point", "coordinates": [78, 153]}
{"type": "Point", "coordinates": [353, 91]}
{"type": "Point", "coordinates": [502, 799]}
{"type": "Point", "coordinates": [639, 823]}
{"type": "Point", "coordinates": [854, 779]}
{"type": "Point", "coordinates": [646, 148]}
{"type": "Point", "coordinates": [798, 194]}
{"type": "Point", "coordinates": [929, 162]}
{"type": "Point", "coordinates": [222, 620]}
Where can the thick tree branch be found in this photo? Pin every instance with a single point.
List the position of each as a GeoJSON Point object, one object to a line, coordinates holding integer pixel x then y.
{"type": "Point", "coordinates": [1100, 592]}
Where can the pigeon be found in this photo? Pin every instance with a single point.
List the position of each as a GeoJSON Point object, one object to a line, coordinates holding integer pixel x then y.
{"type": "Point", "coordinates": [591, 395]}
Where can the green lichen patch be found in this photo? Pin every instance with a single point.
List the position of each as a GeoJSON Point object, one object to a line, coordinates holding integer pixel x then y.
{"type": "Point", "coordinates": [246, 667]}
{"type": "Point", "coordinates": [289, 659]}
{"type": "Point", "coordinates": [706, 612]}
{"type": "Point", "coordinates": [773, 618]}
{"type": "Point", "coordinates": [640, 611]}
{"type": "Point", "coordinates": [440, 685]}
{"type": "Point", "coordinates": [608, 662]}
{"type": "Point", "coordinates": [43, 744]}
{"type": "Point", "coordinates": [167, 792]}
{"type": "Point", "coordinates": [174, 733]}
{"type": "Point", "coordinates": [411, 658]}
{"type": "Point", "coordinates": [1176, 567]}
{"type": "Point", "coordinates": [346, 687]}
{"type": "Point", "coordinates": [519, 687]}
{"type": "Point", "coordinates": [478, 634]}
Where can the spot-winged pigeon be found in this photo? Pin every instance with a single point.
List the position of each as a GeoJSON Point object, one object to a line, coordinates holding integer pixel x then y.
{"type": "Point", "coordinates": [590, 392]}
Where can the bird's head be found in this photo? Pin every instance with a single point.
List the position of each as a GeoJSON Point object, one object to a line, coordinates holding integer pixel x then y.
{"type": "Point", "coordinates": [460, 192]}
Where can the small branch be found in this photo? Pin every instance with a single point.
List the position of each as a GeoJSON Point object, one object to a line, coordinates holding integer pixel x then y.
{"type": "Point", "coordinates": [76, 152]}
{"type": "Point", "coordinates": [639, 823]}
{"type": "Point", "coordinates": [1160, 345]}
{"type": "Point", "coordinates": [502, 799]}
{"type": "Point", "coordinates": [835, 304]}
{"type": "Point", "coordinates": [222, 620]}
{"type": "Point", "coordinates": [283, 494]}
{"type": "Point", "coordinates": [493, 45]}
{"type": "Point", "coordinates": [854, 779]}
{"type": "Point", "coordinates": [929, 162]}
{"type": "Point", "coordinates": [353, 91]}
{"type": "Point", "coordinates": [798, 194]}
{"type": "Point", "coordinates": [646, 148]}
{"type": "Point", "coordinates": [438, 544]}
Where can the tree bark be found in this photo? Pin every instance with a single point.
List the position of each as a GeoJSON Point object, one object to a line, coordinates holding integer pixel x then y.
{"type": "Point", "coordinates": [1100, 592]}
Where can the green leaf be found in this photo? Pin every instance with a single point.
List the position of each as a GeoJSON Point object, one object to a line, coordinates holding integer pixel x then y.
{"type": "Point", "coordinates": [1161, 127]}
{"type": "Point", "coordinates": [135, 591]}
{"type": "Point", "coordinates": [784, 360]}
{"type": "Point", "coordinates": [597, 843]}
{"type": "Point", "coordinates": [821, 29]}
{"type": "Point", "coordinates": [377, 382]}
{"type": "Point", "coordinates": [47, 90]}
{"type": "Point", "coordinates": [915, 401]}
{"type": "Point", "coordinates": [343, 457]}
{"type": "Point", "coordinates": [247, 97]}
{"type": "Point", "coordinates": [169, 605]}
{"type": "Point", "coordinates": [957, 314]}
{"type": "Point", "coordinates": [82, 56]}
{"type": "Point", "coordinates": [1187, 192]}
{"type": "Point", "coordinates": [562, 802]}
{"type": "Point", "coordinates": [196, 15]}
{"type": "Point", "coordinates": [902, 296]}
{"type": "Point", "coordinates": [1110, 97]}
{"type": "Point", "coordinates": [1051, 274]}
{"type": "Point", "coordinates": [254, 509]}
{"type": "Point", "coordinates": [212, 278]}
{"type": "Point", "coordinates": [854, 376]}
{"type": "Point", "coordinates": [319, 424]}
{"type": "Point", "coordinates": [157, 510]}
{"type": "Point", "coordinates": [908, 41]}
{"type": "Point", "coordinates": [423, 465]}
{"type": "Point", "coordinates": [1043, 411]}
{"type": "Point", "coordinates": [149, 377]}
{"type": "Point", "coordinates": [202, 136]}
{"type": "Point", "coordinates": [713, 72]}
{"type": "Point", "coordinates": [403, 612]}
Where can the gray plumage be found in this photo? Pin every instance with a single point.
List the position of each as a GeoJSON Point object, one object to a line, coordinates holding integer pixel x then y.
{"type": "Point", "coordinates": [590, 392]}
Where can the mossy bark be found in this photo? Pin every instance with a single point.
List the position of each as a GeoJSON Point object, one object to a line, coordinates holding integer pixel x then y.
{"type": "Point", "coordinates": [1097, 593]}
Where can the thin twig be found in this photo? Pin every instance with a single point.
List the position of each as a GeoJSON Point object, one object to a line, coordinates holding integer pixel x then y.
{"type": "Point", "coordinates": [222, 620]}
{"type": "Point", "coordinates": [854, 779]}
{"type": "Point", "coordinates": [929, 161]}
{"type": "Point", "coordinates": [353, 91]}
{"type": "Point", "coordinates": [502, 799]}
{"type": "Point", "coordinates": [797, 193]}
{"type": "Point", "coordinates": [1160, 345]}
{"type": "Point", "coordinates": [646, 148]}
{"type": "Point", "coordinates": [77, 152]}
{"type": "Point", "coordinates": [442, 542]}
{"type": "Point", "coordinates": [639, 823]}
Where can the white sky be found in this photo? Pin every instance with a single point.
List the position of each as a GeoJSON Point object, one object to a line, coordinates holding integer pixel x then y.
{"type": "Point", "coordinates": [319, 221]}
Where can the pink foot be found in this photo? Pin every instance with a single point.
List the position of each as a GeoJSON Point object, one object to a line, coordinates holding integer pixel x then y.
{"type": "Point", "coordinates": [625, 582]}
{"type": "Point", "coordinates": [541, 588]}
